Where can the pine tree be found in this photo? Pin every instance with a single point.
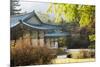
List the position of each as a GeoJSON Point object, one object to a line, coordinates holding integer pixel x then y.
{"type": "Point", "coordinates": [14, 4]}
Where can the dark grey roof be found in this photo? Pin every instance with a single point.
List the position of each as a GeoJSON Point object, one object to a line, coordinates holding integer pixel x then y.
{"type": "Point", "coordinates": [35, 23]}
{"type": "Point", "coordinates": [15, 19]}
{"type": "Point", "coordinates": [57, 34]}
{"type": "Point", "coordinates": [32, 20]}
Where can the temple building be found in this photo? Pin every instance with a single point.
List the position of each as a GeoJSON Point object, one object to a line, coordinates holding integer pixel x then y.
{"type": "Point", "coordinates": [30, 29]}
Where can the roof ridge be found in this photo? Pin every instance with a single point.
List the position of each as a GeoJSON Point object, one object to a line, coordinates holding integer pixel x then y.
{"type": "Point", "coordinates": [37, 17]}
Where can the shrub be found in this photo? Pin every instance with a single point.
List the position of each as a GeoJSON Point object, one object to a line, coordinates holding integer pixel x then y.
{"type": "Point", "coordinates": [81, 54]}
{"type": "Point", "coordinates": [27, 55]}
{"type": "Point", "coordinates": [21, 55]}
{"type": "Point", "coordinates": [91, 46]}
{"type": "Point", "coordinates": [44, 55]}
{"type": "Point", "coordinates": [92, 54]}
{"type": "Point", "coordinates": [87, 53]}
{"type": "Point", "coordinates": [84, 54]}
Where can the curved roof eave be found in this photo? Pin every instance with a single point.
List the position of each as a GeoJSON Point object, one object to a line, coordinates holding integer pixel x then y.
{"type": "Point", "coordinates": [11, 26]}
{"type": "Point", "coordinates": [39, 27]}
{"type": "Point", "coordinates": [15, 19]}
{"type": "Point", "coordinates": [57, 34]}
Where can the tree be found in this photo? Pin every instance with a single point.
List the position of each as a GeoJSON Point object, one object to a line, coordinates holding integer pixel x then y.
{"type": "Point", "coordinates": [14, 4]}
{"type": "Point", "coordinates": [84, 15]}
{"type": "Point", "coordinates": [66, 11]}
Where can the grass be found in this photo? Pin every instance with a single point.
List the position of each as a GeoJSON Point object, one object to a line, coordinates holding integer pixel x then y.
{"type": "Point", "coordinates": [70, 60]}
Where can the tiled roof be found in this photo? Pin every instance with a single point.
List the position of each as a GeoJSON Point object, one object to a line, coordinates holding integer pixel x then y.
{"type": "Point", "coordinates": [15, 19]}
{"type": "Point", "coordinates": [43, 26]}
{"type": "Point", "coordinates": [33, 23]}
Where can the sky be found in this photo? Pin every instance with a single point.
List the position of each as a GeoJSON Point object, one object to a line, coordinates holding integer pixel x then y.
{"type": "Point", "coordinates": [29, 6]}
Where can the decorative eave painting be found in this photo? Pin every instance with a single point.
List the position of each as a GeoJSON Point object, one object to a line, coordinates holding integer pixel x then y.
{"type": "Point", "coordinates": [51, 33]}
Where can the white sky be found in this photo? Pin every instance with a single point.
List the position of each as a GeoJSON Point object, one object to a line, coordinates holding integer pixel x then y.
{"type": "Point", "coordinates": [29, 6]}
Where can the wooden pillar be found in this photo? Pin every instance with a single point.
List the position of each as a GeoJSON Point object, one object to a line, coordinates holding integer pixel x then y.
{"type": "Point", "coordinates": [50, 42]}
{"type": "Point", "coordinates": [13, 37]}
{"type": "Point", "coordinates": [30, 37]}
{"type": "Point", "coordinates": [22, 33]}
{"type": "Point", "coordinates": [56, 43]}
{"type": "Point", "coordinates": [38, 38]}
{"type": "Point", "coordinates": [44, 38]}
{"type": "Point", "coordinates": [14, 42]}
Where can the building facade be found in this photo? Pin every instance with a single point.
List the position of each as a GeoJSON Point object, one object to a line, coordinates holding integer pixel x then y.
{"type": "Point", "coordinates": [29, 29]}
